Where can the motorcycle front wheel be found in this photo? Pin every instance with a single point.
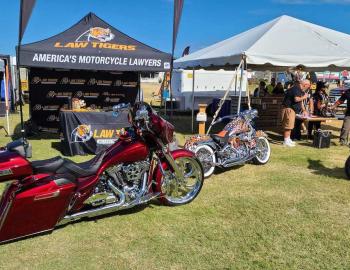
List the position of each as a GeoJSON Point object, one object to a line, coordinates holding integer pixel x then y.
{"type": "Point", "coordinates": [347, 168]}
{"type": "Point", "coordinates": [206, 156]}
{"type": "Point", "coordinates": [264, 151]}
{"type": "Point", "coordinates": [178, 192]}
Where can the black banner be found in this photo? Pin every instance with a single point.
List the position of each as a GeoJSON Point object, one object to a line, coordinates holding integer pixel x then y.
{"type": "Point", "coordinates": [52, 90]}
{"type": "Point", "coordinates": [90, 132]}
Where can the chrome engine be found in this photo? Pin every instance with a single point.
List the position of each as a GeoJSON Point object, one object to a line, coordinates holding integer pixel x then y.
{"type": "Point", "coordinates": [232, 153]}
{"type": "Point", "coordinates": [120, 184]}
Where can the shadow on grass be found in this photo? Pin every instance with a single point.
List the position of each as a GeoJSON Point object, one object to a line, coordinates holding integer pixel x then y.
{"type": "Point", "coordinates": [319, 169]}
{"type": "Point", "coordinates": [274, 138]}
{"type": "Point", "coordinates": [35, 135]}
{"type": "Point", "coordinates": [220, 170]}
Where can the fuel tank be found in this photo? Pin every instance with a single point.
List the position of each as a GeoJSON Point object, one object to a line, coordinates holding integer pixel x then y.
{"type": "Point", "coordinates": [13, 166]}
{"type": "Point", "coordinates": [125, 152]}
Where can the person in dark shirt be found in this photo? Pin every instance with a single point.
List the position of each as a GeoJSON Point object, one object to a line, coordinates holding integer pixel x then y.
{"type": "Point", "coordinates": [292, 105]}
{"type": "Point", "coordinates": [278, 90]}
{"type": "Point", "coordinates": [260, 91]}
{"type": "Point", "coordinates": [319, 98]}
{"type": "Point", "coordinates": [344, 133]}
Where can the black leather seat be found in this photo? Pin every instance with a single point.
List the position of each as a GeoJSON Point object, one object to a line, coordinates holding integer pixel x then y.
{"type": "Point", "coordinates": [83, 169]}
{"type": "Point", "coordinates": [58, 165]}
{"type": "Point", "coordinates": [219, 139]}
{"type": "Point", "coordinates": [47, 165]}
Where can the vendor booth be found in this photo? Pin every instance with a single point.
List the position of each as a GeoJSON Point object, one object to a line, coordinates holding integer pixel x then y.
{"type": "Point", "coordinates": [79, 74]}
{"type": "Point", "coordinates": [278, 45]}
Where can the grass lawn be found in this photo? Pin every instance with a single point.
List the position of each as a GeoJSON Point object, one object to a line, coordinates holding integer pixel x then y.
{"type": "Point", "coordinates": [293, 213]}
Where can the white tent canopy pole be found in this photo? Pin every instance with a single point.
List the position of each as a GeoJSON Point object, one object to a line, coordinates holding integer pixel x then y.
{"type": "Point", "coordinates": [193, 82]}
{"type": "Point", "coordinates": [222, 100]}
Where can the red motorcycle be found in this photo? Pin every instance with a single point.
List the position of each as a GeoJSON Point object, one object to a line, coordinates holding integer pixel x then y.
{"type": "Point", "coordinates": [139, 167]}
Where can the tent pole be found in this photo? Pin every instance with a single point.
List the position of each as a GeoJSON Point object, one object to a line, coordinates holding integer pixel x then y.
{"type": "Point", "coordinates": [6, 82]}
{"type": "Point", "coordinates": [193, 78]}
{"type": "Point", "coordinates": [236, 74]}
{"type": "Point", "coordinates": [18, 72]}
{"type": "Point", "coordinates": [240, 87]}
{"type": "Point", "coordinates": [247, 90]}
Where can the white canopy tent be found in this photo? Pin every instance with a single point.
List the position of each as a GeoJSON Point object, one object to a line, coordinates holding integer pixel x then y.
{"type": "Point", "coordinates": [278, 44]}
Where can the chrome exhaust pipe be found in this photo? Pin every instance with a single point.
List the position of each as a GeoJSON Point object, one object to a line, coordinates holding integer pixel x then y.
{"type": "Point", "coordinates": [110, 208]}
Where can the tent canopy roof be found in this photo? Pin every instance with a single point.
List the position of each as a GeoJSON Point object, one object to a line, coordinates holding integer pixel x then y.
{"type": "Point", "coordinates": [93, 44]}
{"type": "Point", "coordinates": [280, 43]}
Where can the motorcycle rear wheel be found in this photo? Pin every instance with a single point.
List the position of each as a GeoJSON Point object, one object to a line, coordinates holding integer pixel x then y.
{"type": "Point", "coordinates": [206, 156]}
{"type": "Point", "coordinates": [347, 168]}
{"type": "Point", "coordinates": [176, 192]}
{"type": "Point", "coordinates": [264, 153]}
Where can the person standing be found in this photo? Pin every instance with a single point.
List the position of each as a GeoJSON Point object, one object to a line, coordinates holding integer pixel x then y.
{"type": "Point", "coordinates": [271, 86]}
{"type": "Point", "coordinates": [344, 133]}
{"type": "Point", "coordinates": [292, 105]}
{"type": "Point", "coordinates": [319, 99]}
{"type": "Point", "coordinates": [261, 90]}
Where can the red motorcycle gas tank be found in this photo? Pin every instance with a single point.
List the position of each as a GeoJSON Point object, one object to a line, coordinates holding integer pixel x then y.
{"type": "Point", "coordinates": [125, 152]}
{"type": "Point", "coordinates": [13, 166]}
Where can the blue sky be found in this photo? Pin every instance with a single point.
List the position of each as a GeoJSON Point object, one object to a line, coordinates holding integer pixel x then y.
{"type": "Point", "coordinates": [204, 22]}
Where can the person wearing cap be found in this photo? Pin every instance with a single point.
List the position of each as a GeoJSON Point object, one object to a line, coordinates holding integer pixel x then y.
{"type": "Point", "coordinates": [344, 133]}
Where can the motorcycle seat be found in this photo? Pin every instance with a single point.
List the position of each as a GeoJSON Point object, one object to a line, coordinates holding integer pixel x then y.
{"type": "Point", "coordinates": [47, 165]}
{"type": "Point", "coordinates": [82, 169]}
{"type": "Point", "coordinates": [220, 138]}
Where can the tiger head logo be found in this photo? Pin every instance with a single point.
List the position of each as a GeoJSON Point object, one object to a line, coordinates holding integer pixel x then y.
{"type": "Point", "coordinates": [101, 34]}
{"type": "Point", "coordinates": [82, 133]}
{"type": "Point", "coordinates": [96, 34]}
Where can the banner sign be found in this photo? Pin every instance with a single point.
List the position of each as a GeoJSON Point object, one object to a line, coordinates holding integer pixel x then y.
{"type": "Point", "coordinates": [90, 132]}
{"type": "Point", "coordinates": [52, 90]}
{"type": "Point", "coordinates": [95, 45]}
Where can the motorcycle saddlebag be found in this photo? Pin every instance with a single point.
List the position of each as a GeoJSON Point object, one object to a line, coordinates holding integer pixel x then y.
{"type": "Point", "coordinates": [322, 139]}
{"type": "Point", "coordinates": [36, 209]}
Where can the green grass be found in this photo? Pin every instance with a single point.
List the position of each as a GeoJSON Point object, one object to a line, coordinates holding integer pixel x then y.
{"type": "Point", "coordinates": [293, 213]}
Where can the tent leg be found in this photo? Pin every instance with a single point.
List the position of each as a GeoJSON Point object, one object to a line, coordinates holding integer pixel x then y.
{"type": "Point", "coordinates": [240, 86]}
{"type": "Point", "coordinates": [193, 78]}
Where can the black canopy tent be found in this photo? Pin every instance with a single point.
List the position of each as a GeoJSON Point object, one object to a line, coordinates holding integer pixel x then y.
{"type": "Point", "coordinates": [91, 57]}
{"type": "Point", "coordinates": [93, 44]}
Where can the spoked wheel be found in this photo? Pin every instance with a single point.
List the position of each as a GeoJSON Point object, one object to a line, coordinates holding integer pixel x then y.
{"type": "Point", "coordinates": [347, 168]}
{"type": "Point", "coordinates": [206, 156]}
{"type": "Point", "coordinates": [264, 151]}
{"type": "Point", "coordinates": [176, 191]}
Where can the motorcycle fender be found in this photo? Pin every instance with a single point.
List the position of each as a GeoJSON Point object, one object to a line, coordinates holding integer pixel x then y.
{"type": "Point", "coordinates": [260, 133]}
{"type": "Point", "coordinates": [212, 144]}
{"type": "Point", "coordinates": [158, 174]}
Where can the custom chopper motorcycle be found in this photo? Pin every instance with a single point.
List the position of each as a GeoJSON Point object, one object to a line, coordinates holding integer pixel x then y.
{"type": "Point", "coordinates": [139, 167]}
{"type": "Point", "coordinates": [236, 144]}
